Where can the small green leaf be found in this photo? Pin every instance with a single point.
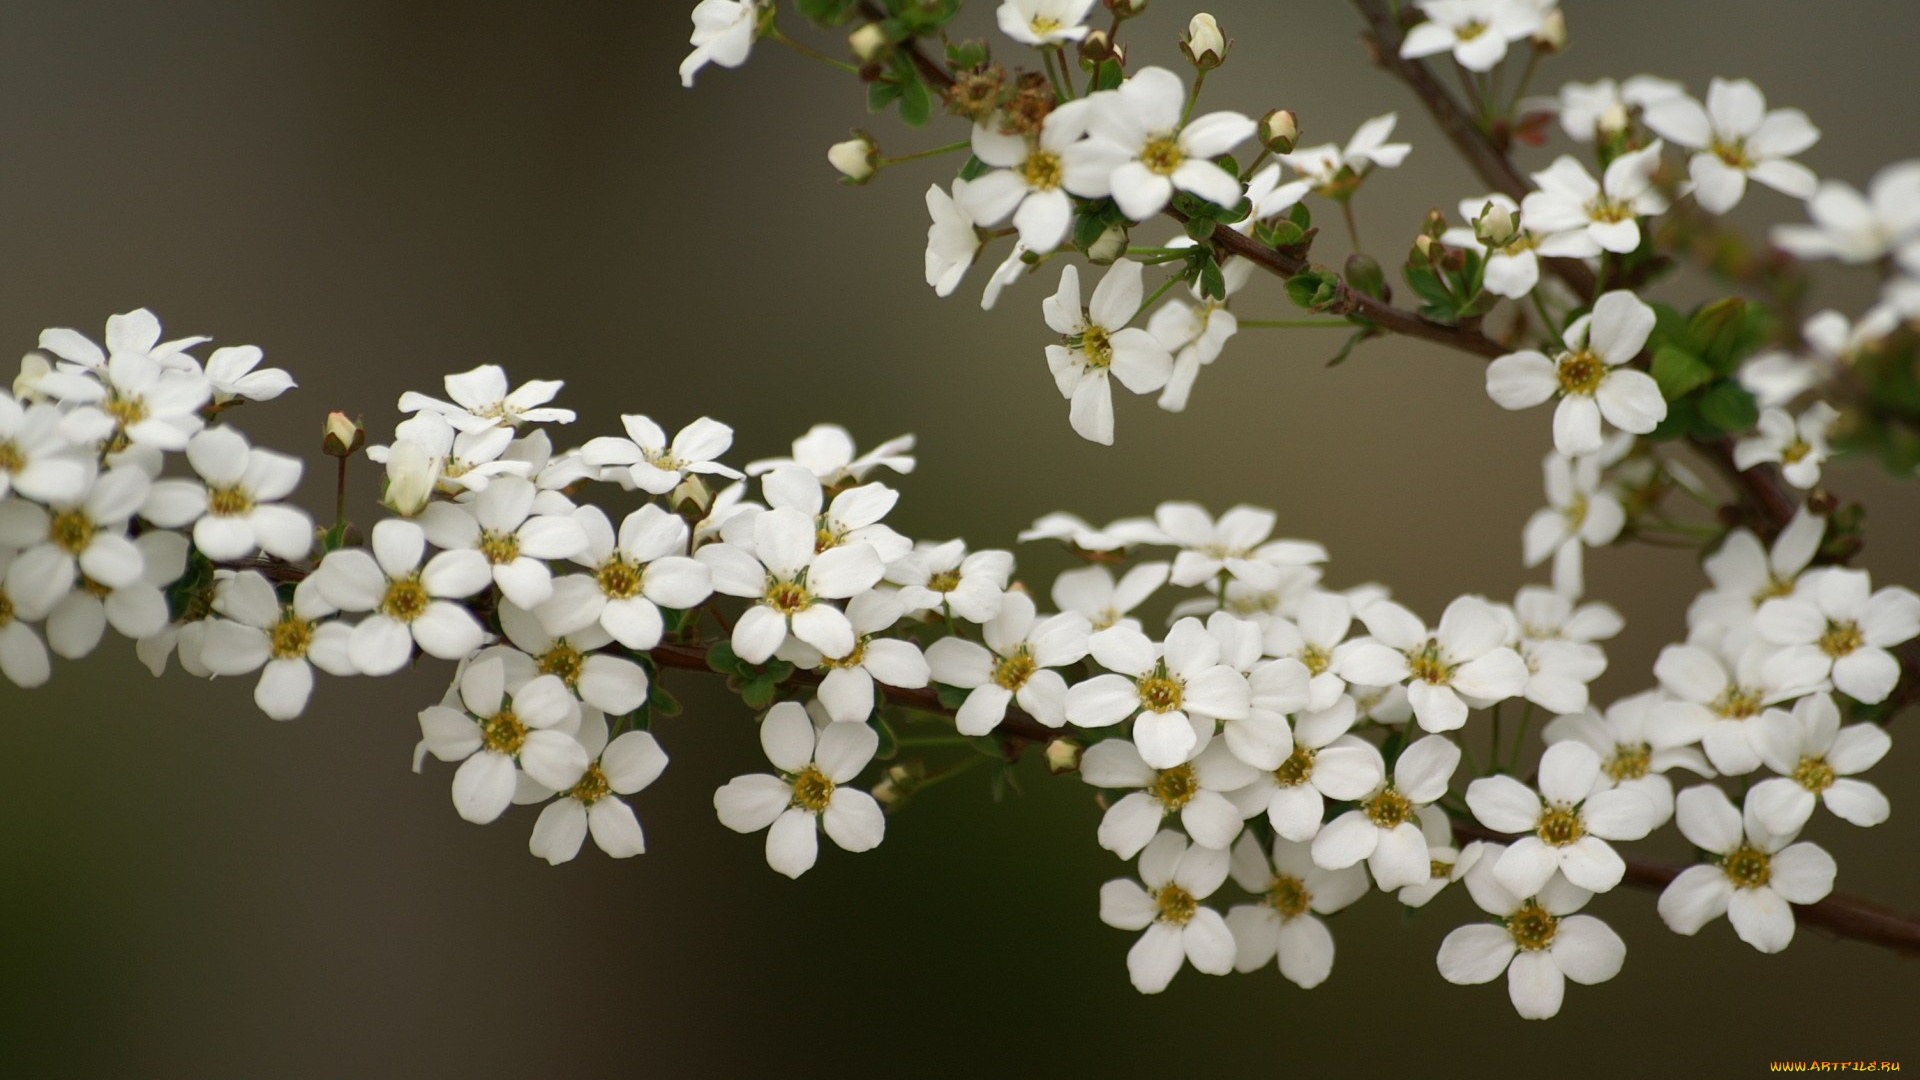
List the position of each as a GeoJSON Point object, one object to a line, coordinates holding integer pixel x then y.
{"type": "Point", "coordinates": [1679, 372]}
{"type": "Point", "coordinates": [1108, 75]}
{"type": "Point", "coordinates": [1200, 226]}
{"type": "Point", "coordinates": [916, 104]}
{"type": "Point", "coordinates": [951, 697]}
{"type": "Point", "coordinates": [881, 94]}
{"type": "Point", "coordinates": [1728, 407]}
{"type": "Point", "coordinates": [1714, 332]}
{"type": "Point", "coordinates": [758, 693]}
{"type": "Point", "coordinates": [721, 658]}
{"type": "Point", "coordinates": [660, 702]}
{"type": "Point", "coordinates": [1364, 274]}
{"type": "Point", "coordinates": [973, 168]}
{"type": "Point", "coordinates": [966, 55]}
{"type": "Point", "coordinates": [826, 12]}
{"type": "Point", "coordinates": [1346, 350]}
{"type": "Point", "coordinates": [889, 743]}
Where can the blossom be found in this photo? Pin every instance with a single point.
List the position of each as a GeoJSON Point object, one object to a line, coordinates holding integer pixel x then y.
{"type": "Point", "coordinates": [1177, 926]}
{"type": "Point", "coordinates": [1837, 625]}
{"type": "Point", "coordinates": [1324, 762]}
{"type": "Point", "coordinates": [1236, 545]}
{"type": "Point", "coordinates": [1178, 691]}
{"type": "Point", "coordinates": [1030, 180]}
{"type": "Point", "coordinates": [1196, 333]}
{"type": "Point", "coordinates": [1324, 166]}
{"type": "Point", "coordinates": [1753, 876]}
{"type": "Point", "coordinates": [1092, 592]}
{"type": "Point", "coordinates": [964, 585]}
{"type": "Point", "coordinates": [1098, 341]}
{"type": "Point", "coordinates": [136, 609]}
{"type": "Point", "coordinates": [499, 523]}
{"type": "Point", "coordinates": [1855, 228]}
{"type": "Point", "coordinates": [135, 333]}
{"type": "Point", "coordinates": [134, 400]}
{"type": "Point", "coordinates": [1775, 377]}
{"type": "Point", "coordinates": [1195, 791]}
{"type": "Point", "coordinates": [481, 400]}
{"type": "Point", "coordinates": [1465, 657]}
{"type": "Point", "coordinates": [508, 722]}
{"type": "Point", "coordinates": [1799, 447]}
{"type": "Point", "coordinates": [23, 656]}
{"type": "Point", "coordinates": [846, 693]}
{"type": "Point", "coordinates": [789, 583]}
{"type": "Point", "coordinates": [1736, 137]}
{"type": "Point", "coordinates": [612, 685]}
{"type": "Point", "coordinates": [809, 794]}
{"type": "Point", "coordinates": [1746, 574]}
{"type": "Point", "coordinates": [1116, 536]}
{"type": "Point", "coordinates": [1715, 706]}
{"type": "Point", "coordinates": [283, 641]}
{"type": "Point", "coordinates": [1477, 32]}
{"type": "Point", "coordinates": [1580, 218]}
{"type": "Point", "coordinates": [952, 239]}
{"type": "Point", "coordinates": [1581, 512]}
{"type": "Point", "coordinates": [234, 372]}
{"type": "Point", "coordinates": [34, 459]}
{"type": "Point", "coordinates": [1044, 22]}
{"type": "Point", "coordinates": [1634, 751]}
{"type": "Point", "coordinates": [647, 461]}
{"type": "Point", "coordinates": [1539, 942]}
{"type": "Point", "coordinates": [1383, 828]}
{"type": "Point", "coordinates": [1142, 119]}
{"type": "Point", "coordinates": [429, 454]}
{"type": "Point", "coordinates": [621, 767]}
{"type": "Point", "coordinates": [633, 575]}
{"type": "Point", "coordinates": [1512, 267]}
{"type": "Point", "coordinates": [1570, 819]}
{"type": "Point", "coordinates": [1601, 108]}
{"type": "Point", "coordinates": [1011, 269]}
{"type": "Point", "coordinates": [1587, 376]}
{"type": "Point", "coordinates": [86, 534]}
{"type": "Point", "coordinates": [234, 513]}
{"type": "Point", "coordinates": [1445, 864]}
{"type": "Point", "coordinates": [723, 32]}
{"type": "Point", "coordinates": [827, 451]}
{"type": "Point", "coordinates": [410, 603]}
{"type": "Point", "coordinates": [1282, 924]}
{"type": "Point", "coordinates": [853, 517]}
{"type": "Point", "coordinates": [1817, 760]}
{"type": "Point", "coordinates": [1016, 664]}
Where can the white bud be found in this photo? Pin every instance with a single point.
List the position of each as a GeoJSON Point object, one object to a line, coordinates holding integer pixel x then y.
{"type": "Point", "coordinates": [1108, 246]}
{"type": "Point", "coordinates": [411, 476]}
{"type": "Point", "coordinates": [1552, 35]}
{"type": "Point", "coordinates": [1614, 120]}
{"type": "Point", "coordinates": [1204, 44]}
{"type": "Point", "coordinates": [1495, 227]}
{"type": "Point", "coordinates": [854, 158]}
{"type": "Point", "coordinates": [33, 367]}
{"type": "Point", "coordinates": [868, 42]}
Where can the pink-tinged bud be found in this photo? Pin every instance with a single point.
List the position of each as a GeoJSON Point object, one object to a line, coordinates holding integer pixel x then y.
{"type": "Point", "coordinates": [342, 435]}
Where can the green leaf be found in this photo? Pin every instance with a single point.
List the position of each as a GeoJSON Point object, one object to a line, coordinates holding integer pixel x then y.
{"type": "Point", "coordinates": [1714, 332]}
{"type": "Point", "coordinates": [1346, 350]}
{"type": "Point", "coordinates": [1679, 372]}
{"type": "Point", "coordinates": [889, 743]}
{"type": "Point", "coordinates": [916, 104]}
{"type": "Point", "coordinates": [1728, 407]}
{"type": "Point", "coordinates": [758, 693]}
{"type": "Point", "coordinates": [1314, 288]}
{"type": "Point", "coordinates": [1301, 216]}
{"type": "Point", "coordinates": [660, 702]}
{"type": "Point", "coordinates": [951, 697]}
{"type": "Point", "coordinates": [1282, 233]}
{"type": "Point", "coordinates": [881, 94]}
{"type": "Point", "coordinates": [722, 659]}
{"type": "Point", "coordinates": [1213, 285]}
{"type": "Point", "coordinates": [1669, 327]}
{"type": "Point", "coordinates": [1108, 75]}
{"type": "Point", "coordinates": [966, 55]}
{"type": "Point", "coordinates": [973, 168]}
{"type": "Point", "coordinates": [1087, 228]}
{"type": "Point", "coordinates": [826, 12]}
{"type": "Point", "coordinates": [1200, 226]}
{"type": "Point", "coordinates": [1364, 274]}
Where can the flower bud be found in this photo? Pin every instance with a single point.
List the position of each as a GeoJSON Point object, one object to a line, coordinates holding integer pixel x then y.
{"type": "Point", "coordinates": [1424, 245]}
{"type": "Point", "coordinates": [1108, 246]}
{"type": "Point", "coordinates": [33, 368]}
{"type": "Point", "coordinates": [1126, 9]}
{"type": "Point", "coordinates": [1280, 130]}
{"type": "Point", "coordinates": [1203, 44]}
{"type": "Point", "coordinates": [692, 498]}
{"type": "Point", "coordinates": [856, 158]}
{"type": "Point", "coordinates": [1552, 35]}
{"type": "Point", "coordinates": [411, 476]}
{"type": "Point", "coordinates": [1496, 226]}
{"type": "Point", "coordinates": [868, 42]}
{"type": "Point", "coordinates": [1063, 756]}
{"type": "Point", "coordinates": [1434, 224]}
{"type": "Point", "coordinates": [342, 435]}
{"type": "Point", "coordinates": [1096, 46]}
{"type": "Point", "coordinates": [1613, 121]}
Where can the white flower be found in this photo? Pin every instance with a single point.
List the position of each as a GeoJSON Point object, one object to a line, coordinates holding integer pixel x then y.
{"type": "Point", "coordinates": [846, 693]}
{"type": "Point", "coordinates": [1030, 179]}
{"type": "Point", "coordinates": [945, 576]}
{"type": "Point", "coordinates": [1513, 268]}
{"type": "Point", "coordinates": [1587, 376]}
{"type": "Point", "coordinates": [449, 460]}
{"type": "Point", "coordinates": [612, 685]}
{"type": "Point", "coordinates": [1324, 762]}
{"type": "Point", "coordinates": [1754, 875]}
{"type": "Point", "coordinates": [235, 513]}
{"type": "Point", "coordinates": [1010, 270]}
{"type": "Point", "coordinates": [1572, 817]}
{"type": "Point", "coordinates": [137, 609]}
{"type": "Point", "coordinates": [510, 723]}
{"type": "Point", "coordinates": [1292, 891]}
{"type": "Point", "coordinates": [1446, 865]}
{"type": "Point", "coordinates": [1098, 341]}
{"type": "Point", "coordinates": [789, 583]}
{"type": "Point", "coordinates": [952, 240]}
{"type": "Point", "coordinates": [232, 373]}
{"type": "Point", "coordinates": [136, 333]}
{"type": "Point", "coordinates": [1236, 545]}
{"type": "Point", "coordinates": [500, 525]}
{"type": "Point", "coordinates": [1142, 119]}
{"type": "Point", "coordinates": [827, 451]}
{"type": "Point", "coordinates": [1540, 943]}
{"type": "Point", "coordinates": [852, 518]}
{"type": "Point", "coordinates": [23, 656]}
{"type": "Point", "coordinates": [1024, 650]}
{"type": "Point", "coordinates": [1745, 574]}
{"type": "Point", "coordinates": [1382, 829]}
{"type": "Point", "coordinates": [1092, 592]}
{"type": "Point", "coordinates": [410, 603]}
{"type": "Point", "coordinates": [481, 400]}
{"type": "Point", "coordinates": [1321, 166]}
{"type": "Point", "coordinates": [286, 641]}
{"type": "Point", "coordinates": [1177, 695]}
{"type": "Point", "coordinates": [1798, 447]}
{"type": "Point", "coordinates": [1580, 218]}
{"type": "Point", "coordinates": [645, 460]}
{"type": "Point", "coordinates": [1069, 529]}
{"type": "Point", "coordinates": [34, 459]}
{"type": "Point", "coordinates": [633, 576]}
{"type": "Point", "coordinates": [621, 767]}
{"type": "Point", "coordinates": [1634, 751]}
{"type": "Point", "coordinates": [723, 32]}
{"type": "Point", "coordinates": [811, 792]}
{"type": "Point", "coordinates": [1601, 108]}
{"type": "Point", "coordinates": [133, 401]}
{"type": "Point", "coordinates": [1465, 657]}
{"type": "Point", "coordinates": [1195, 791]}
{"type": "Point", "coordinates": [86, 534]}
{"type": "Point", "coordinates": [1817, 759]}
{"type": "Point", "coordinates": [1044, 22]}
{"type": "Point", "coordinates": [1836, 623]}
{"type": "Point", "coordinates": [1855, 228]}
{"type": "Point", "coordinates": [1178, 927]}
{"type": "Point", "coordinates": [1736, 137]}
{"type": "Point", "coordinates": [1714, 706]}
{"type": "Point", "coordinates": [1196, 333]}
{"type": "Point", "coordinates": [1776, 377]}
{"type": "Point", "coordinates": [1477, 32]}
{"type": "Point", "coordinates": [1580, 513]}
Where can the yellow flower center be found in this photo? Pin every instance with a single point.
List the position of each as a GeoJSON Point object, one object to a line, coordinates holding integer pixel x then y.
{"type": "Point", "coordinates": [1042, 170]}
{"type": "Point", "coordinates": [126, 411]}
{"type": "Point", "coordinates": [1737, 703]}
{"type": "Point", "coordinates": [12, 458]}
{"type": "Point", "coordinates": [1609, 211]}
{"type": "Point", "coordinates": [503, 732]}
{"type": "Point", "coordinates": [1012, 672]}
{"type": "Point", "coordinates": [1560, 827]}
{"type": "Point", "coordinates": [1098, 345]}
{"type": "Point", "coordinates": [1389, 809]}
{"type": "Point", "coordinates": [1316, 659]}
{"type": "Point", "coordinates": [854, 658]}
{"type": "Point", "coordinates": [1533, 926]}
{"type": "Point", "coordinates": [406, 599]}
{"type": "Point", "coordinates": [1297, 769]}
{"type": "Point", "coordinates": [944, 581]}
{"type": "Point", "coordinates": [812, 791]}
{"type": "Point", "coordinates": [1426, 665]}
{"type": "Point", "coordinates": [1814, 774]}
{"type": "Point", "coordinates": [1160, 693]}
{"type": "Point", "coordinates": [592, 787]}
{"type": "Point", "coordinates": [1747, 867]}
{"type": "Point", "coordinates": [618, 578]}
{"type": "Point", "coordinates": [1175, 904]}
{"type": "Point", "coordinates": [562, 660]}
{"type": "Point", "coordinates": [1794, 451]}
{"type": "Point", "coordinates": [290, 637]}
{"type": "Point", "coordinates": [1467, 31]}
{"type": "Point", "coordinates": [72, 530]}
{"type": "Point", "coordinates": [1629, 761]}
{"type": "Point", "coordinates": [1289, 896]}
{"type": "Point", "coordinates": [1162, 155]}
{"type": "Point", "coordinates": [228, 502]}
{"type": "Point", "coordinates": [1581, 372]}
{"type": "Point", "coordinates": [499, 547]}
{"type": "Point", "coordinates": [787, 597]}
{"type": "Point", "coordinates": [1174, 787]}
{"type": "Point", "coordinates": [1734, 153]}
{"type": "Point", "coordinates": [6, 608]}
{"type": "Point", "coordinates": [1841, 639]}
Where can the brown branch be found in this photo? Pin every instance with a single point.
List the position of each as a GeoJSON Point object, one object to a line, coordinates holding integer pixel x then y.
{"type": "Point", "coordinates": [1839, 914]}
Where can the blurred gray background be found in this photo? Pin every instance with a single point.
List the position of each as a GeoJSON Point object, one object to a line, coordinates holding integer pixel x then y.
{"type": "Point", "coordinates": [380, 193]}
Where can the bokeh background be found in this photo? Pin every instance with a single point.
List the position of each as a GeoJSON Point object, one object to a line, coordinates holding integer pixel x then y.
{"type": "Point", "coordinates": [380, 193]}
